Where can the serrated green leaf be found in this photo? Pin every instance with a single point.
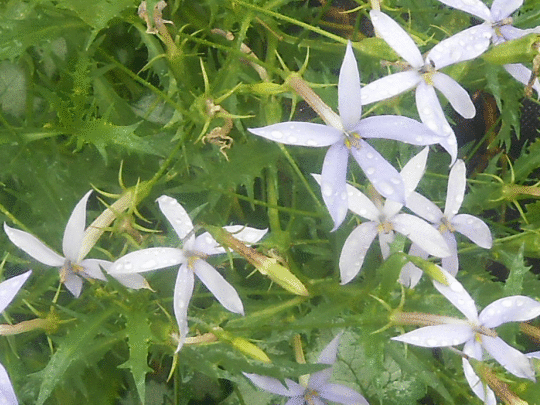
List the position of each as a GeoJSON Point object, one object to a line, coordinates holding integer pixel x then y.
{"type": "Point", "coordinates": [527, 162]}
{"type": "Point", "coordinates": [73, 348]}
{"type": "Point", "coordinates": [515, 262]}
{"type": "Point", "coordinates": [139, 334]}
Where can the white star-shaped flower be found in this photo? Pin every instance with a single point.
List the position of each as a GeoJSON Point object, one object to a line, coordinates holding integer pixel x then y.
{"type": "Point", "coordinates": [425, 75]}
{"type": "Point", "coordinates": [318, 389]}
{"type": "Point", "coordinates": [8, 290]}
{"type": "Point", "coordinates": [191, 259]}
{"type": "Point", "coordinates": [447, 223]}
{"type": "Point", "coordinates": [346, 134]}
{"type": "Point", "coordinates": [386, 219]}
{"type": "Point", "coordinates": [73, 265]}
{"type": "Point", "coordinates": [477, 332]}
{"type": "Point", "coordinates": [498, 22]}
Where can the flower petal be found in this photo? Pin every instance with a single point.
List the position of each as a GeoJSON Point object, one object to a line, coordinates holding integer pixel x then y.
{"type": "Point", "coordinates": [473, 228]}
{"type": "Point", "coordinates": [389, 86]}
{"type": "Point", "coordinates": [273, 385]}
{"type": "Point", "coordinates": [516, 308]}
{"type": "Point", "coordinates": [455, 191]}
{"type": "Point", "coordinates": [73, 283]}
{"type": "Point", "coordinates": [414, 170]}
{"type": "Point", "coordinates": [424, 208]}
{"type": "Point", "coordinates": [522, 75]}
{"type": "Point", "coordinates": [465, 45]}
{"type": "Point", "coordinates": [92, 269]}
{"type": "Point", "coordinates": [147, 259]}
{"type": "Point", "coordinates": [397, 38]}
{"type": "Point", "coordinates": [183, 290]}
{"type": "Point", "coordinates": [410, 274]}
{"type": "Point", "coordinates": [176, 215]}
{"type": "Point", "coordinates": [222, 290]}
{"type": "Point", "coordinates": [7, 394]}
{"type": "Point", "coordinates": [34, 247]}
{"type": "Point", "coordinates": [450, 263]}
{"type": "Point", "coordinates": [511, 359]}
{"type": "Point", "coordinates": [430, 110]}
{"type": "Point", "coordinates": [134, 281]}
{"type": "Point", "coordinates": [328, 356]}
{"type": "Point", "coordinates": [361, 205]}
{"type": "Point", "coordinates": [421, 233]}
{"type": "Point", "coordinates": [474, 7]}
{"type": "Point", "coordinates": [458, 296]}
{"type": "Point", "coordinates": [481, 390]}
{"type": "Point", "coordinates": [438, 335]}
{"type": "Point", "coordinates": [342, 395]}
{"type": "Point", "coordinates": [205, 243]}
{"type": "Point", "coordinates": [457, 96]}
{"type": "Point", "coordinates": [500, 9]}
{"type": "Point", "coordinates": [384, 177]}
{"type": "Point", "coordinates": [299, 400]}
{"type": "Point", "coordinates": [74, 232]}
{"type": "Point", "coordinates": [9, 288]}
{"type": "Point", "coordinates": [350, 110]}
{"type": "Point", "coordinates": [299, 133]}
{"type": "Point", "coordinates": [508, 32]}
{"type": "Point", "coordinates": [333, 175]}
{"type": "Point", "coordinates": [355, 249]}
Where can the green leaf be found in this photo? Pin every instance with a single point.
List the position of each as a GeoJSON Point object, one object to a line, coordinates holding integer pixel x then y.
{"type": "Point", "coordinates": [139, 335]}
{"type": "Point", "coordinates": [74, 348]}
{"type": "Point", "coordinates": [527, 162]}
{"type": "Point", "coordinates": [515, 262]}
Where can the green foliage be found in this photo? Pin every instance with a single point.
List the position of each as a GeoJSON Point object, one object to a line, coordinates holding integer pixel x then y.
{"type": "Point", "coordinates": [89, 98]}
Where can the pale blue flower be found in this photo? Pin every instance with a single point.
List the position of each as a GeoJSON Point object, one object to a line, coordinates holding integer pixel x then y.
{"type": "Point", "coordinates": [476, 333]}
{"type": "Point", "coordinates": [318, 389]}
{"type": "Point", "coordinates": [191, 259]}
{"type": "Point", "coordinates": [498, 22]}
{"type": "Point", "coordinates": [8, 290]}
{"type": "Point", "coordinates": [384, 220]}
{"type": "Point", "coordinates": [346, 134]}
{"type": "Point", "coordinates": [73, 266]}
{"type": "Point", "coordinates": [424, 75]}
{"type": "Point", "coordinates": [447, 223]}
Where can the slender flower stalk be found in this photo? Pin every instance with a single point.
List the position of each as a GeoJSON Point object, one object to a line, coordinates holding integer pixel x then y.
{"type": "Point", "coordinates": [346, 134]}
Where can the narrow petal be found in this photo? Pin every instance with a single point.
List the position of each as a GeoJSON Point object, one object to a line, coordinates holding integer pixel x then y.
{"type": "Point", "coordinates": [34, 247]}
{"type": "Point", "coordinates": [451, 263]}
{"type": "Point", "coordinates": [91, 268]}
{"type": "Point", "coordinates": [361, 205]}
{"type": "Point", "coordinates": [333, 175]}
{"type": "Point", "coordinates": [511, 359]}
{"type": "Point", "coordinates": [500, 9]}
{"type": "Point", "coordinates": [134, 281]}
{"type": "Point", "coordinates": [465, 45]}
{"type": "Point", "coordinates": [389, 86]}
{"type": "Point", "coordinates": [222, 290]}
{"type": "Point", "coordinates": [385, 239]}
{"type": "Point", "coordinates": [457, 96]}
{"type": "Point", "coordinates": [147, 259]}
{"type": "Point", "coordinates": [522, 75]}
{"type": "Point", "coordinates": [481, 390]}
{"type": "Point", "coordinates": [473, 228]}
{"type": "Point", "coordinates": [7, 394]}
{"type": "Point", "coordinates": [384, 177]}
{"type": "Point", "coordinates": [516, 308]}
{"type": "Point", "coordinates": [438, 335]}
{"type": "Point", "coordinates": [424, 208]}
{"type": "Point", "coordinates": [458, 296]}
{"type": "Point", "coordinates": [410, 274]}
{"type": "Point", "coordinates": [299, 133]}
{"type": "Point", "coordinates": [397, 38]}
{"type": "Point", "coordinates": [421, 233]}
{"type": "Point", "coordinates": [73, 283]}
{"type": "Point", "coordinates": [509, 32]}
{"type": "Point", "coordinates": [176, 215]}
{"type": "Point", "coordinates": [273, 385]}
{"type": "Point", "coordinates": [74, 232]}
{"type": "Point", "coordinates": [355, 249]}
{"type": "Point", "coordinates": [342, 395]}
{"type": "Point", "coordinates": [457, 181]}
{"type": "Point", "coordinates": [327, 356]}
{"type": "Point", "coordinates": [533, 355]}
{"type": "Point", "coordinates": [299, 400]}
{"type": "Point", "coordinates": [414, 170]}
{"type": "Point", "coordinates": [183, 290]}
{"type": "Point", "coordinates": [474, 7]}
{"type": "Point", "coordinates": [205, 243]}
{"type": "Point", "coordinates": [430, 110]}
{"type": "Point", "coordinates": [9, 288]}
{"type": "Point", "coordinates": [350, 107]}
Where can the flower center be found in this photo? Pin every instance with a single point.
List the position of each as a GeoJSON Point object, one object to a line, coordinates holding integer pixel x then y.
{"type": "Point", "coordinates": [68, 268]}
{"type": "Point", "coordinates": [310, 395]}
{"type": "Point", "coordinates": [352, 139]}
{"type": "Point", "coordinates": [446, 225]}
{"type": "Point", "coordinates": [385, 226]}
